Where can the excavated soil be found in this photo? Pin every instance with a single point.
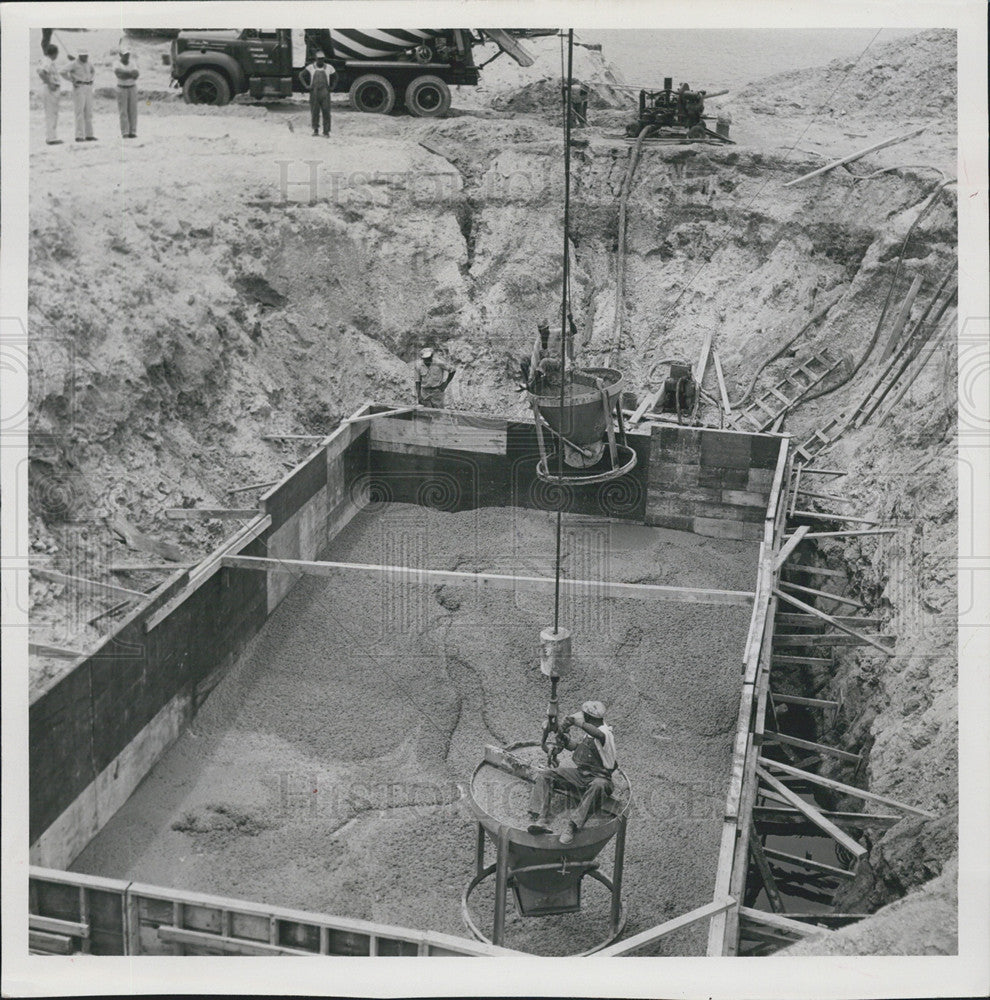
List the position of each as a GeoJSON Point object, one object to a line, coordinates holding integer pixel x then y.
{"type": "Point", "coordinates": [326, 771]}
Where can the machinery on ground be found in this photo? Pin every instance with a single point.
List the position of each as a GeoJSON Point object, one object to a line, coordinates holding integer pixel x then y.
{"type": "Point", "coordinates": [680, 113]}
{"type": "Point", "coordinates": [381, 69]}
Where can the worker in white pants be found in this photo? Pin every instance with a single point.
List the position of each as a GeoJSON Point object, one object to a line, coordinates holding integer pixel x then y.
{"type": "Point", "coordinates": [80, 74]}
{"type": "Point", "coordinates": [127, 74]}
{"type": "Point", "coordinates": [52, 94]}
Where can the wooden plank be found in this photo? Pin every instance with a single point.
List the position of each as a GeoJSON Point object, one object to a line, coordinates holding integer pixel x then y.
{"type": "Point", "coordinates": [838, 598]}
{"type": "Point", "coordinates": [292, 437]}
{"type": "Point", "coordinates": [818, 866]}
{"type": "Point", "coordinates": [496, 581]}
{"type": "Point", "coordinates": [855, 156]}
{"type": "Point", "coordinates": [793, 699]}
{"type": "Point", "coordinates": [902, 317]}
{"type": "Point", "coordinates": [58, 652]}
{"type": "Point", "coordinates": [814, 515]}
{"type": "Point", "coordinates": [810, 811]}
{"type": "Point", "coordinates": [443, 430]}
{"type": "Point", "coordinates": [222, 513]}
{"type": "Point", "coordinates": [786, 660]}
{"type": "Point", "coordinates": [850, 533]}
{"type": "Point", "coordinates": [822, 496]}
{"type": "Point", "coordinates": [41, 942]}
{"type": "Point", "coordinates": [793, 741]}
{"type": "Point", "coordinates": [723, 876]}
{"type": "Point", "coordinates": [110, 588]}
{"type": "Point", "coordinates": [766, 876]}
{"type": "Point", "coordinates": [816, 639]}
{"type": "Point", "coordinates": [789, 546]}
{"type": "Point", "coordinates": [857, 821]}
{"type": "Point", "coordinates": [649, 401]}
{"type": "Point", "coordinates": [824, 472]}
{"type": "Point", "coordinates": [149, 567]}
{"type": "Point", "coordinates": [780, 923]}
{"type": "Point", "coordinates": [253, 486]}
{"type": "Point", "coordinates": [361, 417]}
{"type": "Point", "coordinates": [839, 786]}
{"type": "Point", "coordinates": [228, 945]}
{"type": "Point", "coordinates": [834, 622]}
{"type": "Point", "coordinates": [721, 384]}
{"type": "Point", "coordinates": [668, 927]}
{"type": "Point", "coordinates": [72, 928]}
{"type": "Point", "coordinates": [701, 367]}
{"type": "Point", "coordinates": [835, 574]}
{"type": "Point", "coordinates": [802, 620]}
{"type": "Point", "coordinates": [509, 763]}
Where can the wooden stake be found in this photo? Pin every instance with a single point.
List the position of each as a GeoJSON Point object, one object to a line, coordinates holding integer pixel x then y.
{"type": "Point", "coordinates": [822, 472]}
{"type": "Point", "coordinates": [721, 384]}
{"type": "Point", "coordinates": [851, 532]}
{"type": "Point", "coordinates": [822, 593]}
{"type": "Point", "coordinates": [59, 652]}
{"type": "Point", "coordinates": [818, 866]}
{"type": "Point", "coordinates": [254, 486]}
{"type": "Point", "coordinates": [756, 850]}
{"type": "Point", "coordinates": [812, 813]}
{"type": "Point", "coordinates": [110, 588]}
{"type": "Point", "coordinates": [855, 156]}
{"type": "Point", "coordinates": [793, 741]}
{"type": "Point", "coordinates": [223, 513]}
{"type": "Point", "coordinates": [789, 546]}
{"type": "Point", "coordinates": [834, 622]}
{"type": "Point", "coordinates": [702, 366]}
{"type": "Point", "coordinates": [815, 515]}
{"type": "Point", "coordinates": [781, 923]}
{"type": "Point", "coordinates": [838, 786]}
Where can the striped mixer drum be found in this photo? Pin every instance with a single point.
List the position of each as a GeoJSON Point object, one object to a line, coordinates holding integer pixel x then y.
{"type": "Point", "coordinates": [378, 43]}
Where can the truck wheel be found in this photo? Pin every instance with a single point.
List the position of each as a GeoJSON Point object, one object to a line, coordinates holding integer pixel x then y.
{"type": "Point", "coordinates": [428, 97]}
{"type": "Point", "coordinates": [206, 86]}
{"type": "Point", "coordinates": [372, 94]}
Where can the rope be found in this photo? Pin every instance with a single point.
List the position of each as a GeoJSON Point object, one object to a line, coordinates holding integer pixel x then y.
{"type": "Point", "coordinates": [564, 310]}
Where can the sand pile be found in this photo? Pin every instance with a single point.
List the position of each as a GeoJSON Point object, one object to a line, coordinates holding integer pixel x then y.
{"type": "Point", "coordinates": [327, 770]}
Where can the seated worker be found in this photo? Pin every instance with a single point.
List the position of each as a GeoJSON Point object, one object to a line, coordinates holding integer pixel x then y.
{"type": "Point", "coordinates": [593, 760]}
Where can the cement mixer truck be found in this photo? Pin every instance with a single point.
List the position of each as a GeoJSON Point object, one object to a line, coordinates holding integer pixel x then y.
{"type": "Point", "coordinates": [381, 68]}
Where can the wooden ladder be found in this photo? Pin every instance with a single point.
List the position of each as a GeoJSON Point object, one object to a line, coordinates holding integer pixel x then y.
{"type": "Point", "coordinates": [819, 440]}
{"type": "Point", "coordinates": [787, 393]}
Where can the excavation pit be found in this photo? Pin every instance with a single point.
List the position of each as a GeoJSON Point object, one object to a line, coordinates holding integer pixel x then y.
{"type": "Point", "coordinates": [323, 767]}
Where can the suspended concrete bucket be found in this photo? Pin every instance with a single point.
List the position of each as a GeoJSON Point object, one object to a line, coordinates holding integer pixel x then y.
{"type": "Point", "coordinates": [593, 451]}
{"type": "Point", "coordinates": [544, 875]}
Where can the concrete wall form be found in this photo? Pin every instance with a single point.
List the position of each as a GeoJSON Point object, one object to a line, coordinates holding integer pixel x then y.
{"type": "Point", "coordinates": [99, 730]}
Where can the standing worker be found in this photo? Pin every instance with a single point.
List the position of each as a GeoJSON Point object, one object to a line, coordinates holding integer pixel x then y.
{"type": "Point", "coordinates": [317, 78]}
{"type": "Point", "coordinates": [53, 91]}
{"type": "Point", "coordinates": [432, 378]}
{"type": "Point", "coordinates": [594, 761]}
{"type": "Point", "coordinates": [579, 104]}
{"type": "Point", "coordinates": [127, 74]}
{"type": "Point", "coordinates": [80, 74]}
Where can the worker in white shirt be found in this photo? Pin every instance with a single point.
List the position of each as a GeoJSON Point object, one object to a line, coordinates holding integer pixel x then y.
{"type": "Point", "coordinates": [80, 74]}
{"type": "Point", "coordinates": [127, 74]}
{"type": "Point", "coordinates": [53, 91]}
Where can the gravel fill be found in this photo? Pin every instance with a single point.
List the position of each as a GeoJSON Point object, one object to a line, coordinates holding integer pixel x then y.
{"type": "Point", "coordinates": [326, 771]}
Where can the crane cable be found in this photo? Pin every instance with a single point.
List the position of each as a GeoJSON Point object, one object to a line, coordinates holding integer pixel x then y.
{"type": "Point", "coordinates": [563, 317]}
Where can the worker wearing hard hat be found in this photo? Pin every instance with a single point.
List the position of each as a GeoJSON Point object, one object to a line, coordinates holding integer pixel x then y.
{"type": "Point", "coordinates": [317, 78]}
{"type": "Point", "coordinates": [127, 105]}
{"type": "Point", "coordinates": [594, 761]}
{"type": "Point", "coordinates": [53, 91]}
{"type": "Point", "coordinates": [432, 378]}
{"type": "Point", "coordinates": [80, 74]}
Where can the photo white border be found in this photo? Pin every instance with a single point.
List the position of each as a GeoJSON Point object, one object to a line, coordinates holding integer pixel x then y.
{"type": "Point", "coordinates": [791, 978]}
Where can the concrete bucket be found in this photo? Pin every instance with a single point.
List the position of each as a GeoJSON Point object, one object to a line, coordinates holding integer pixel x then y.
{"type": "Point", "coordinates": [584, 427]}
{"type": "Point", "coordinates": [544, 875]}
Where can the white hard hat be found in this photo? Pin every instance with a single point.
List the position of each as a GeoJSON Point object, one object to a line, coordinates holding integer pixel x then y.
{"type": "Point", "coordinates": [124, 50]}
{"type": "Point", "coordinates": [426, 352]}
{"type": "Point", "coordinates": [82, 52]}
{"type": "Point", "coordinates": [320, 54]}
{"type": "Point", "coordinates": [594, 708]}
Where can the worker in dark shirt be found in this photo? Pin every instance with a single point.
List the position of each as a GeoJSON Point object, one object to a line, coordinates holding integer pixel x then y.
{"type": "Point", "coordinates": [593, 759]}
